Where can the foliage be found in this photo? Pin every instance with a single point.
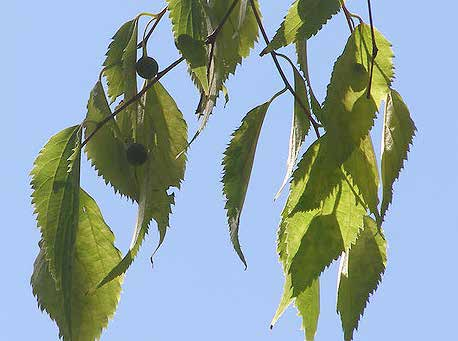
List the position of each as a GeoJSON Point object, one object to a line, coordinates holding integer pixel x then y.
{"type": "Point", "coordinates": [333, 210]}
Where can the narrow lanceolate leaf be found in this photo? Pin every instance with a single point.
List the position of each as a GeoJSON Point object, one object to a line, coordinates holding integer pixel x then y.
{"type": "Point", "coordinates": [360, 273]}
{"type": "Point", "coordinates": [304, 19]}
{"type": "Point", "coordinates": [299, 127]}
{"type": "Point", "coordinates": [55, 184]}
{"type": "Point", "coordinates": [163, 131]}
{"type": "Point", "coordinates": [238, 163]}
{"type": "Point", "coordinates": [347, 113]}
{"type": "Point", "coordinates": [119, 69]}
{"type": "Point", "coordinates": [190, 30]}
{"type": "Point", "coordinates": [94, 254]}
{"type": "Point", "coordinates": [308, 305]}
{"type": "Point", "coordinates": [107, 148]}
{"type": "Point", "coordinates": [398, 133]}
{"type": "Point", "coordinates": [332, 230]}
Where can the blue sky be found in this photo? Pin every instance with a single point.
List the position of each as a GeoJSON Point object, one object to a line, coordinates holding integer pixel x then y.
{"type": "Point", "coordinates": [198, 290]}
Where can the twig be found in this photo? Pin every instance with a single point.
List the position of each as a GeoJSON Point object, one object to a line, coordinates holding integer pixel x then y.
{"type": "Point", "coordinates": [350, 22]}
{"type": "Point", "coordinates": [158, 19]}
{"type": "Point", "coordinates": [212, 37]}
{"type": "Point", "coordinates": [280, 71]}
{"type": "Point", "coordinates": [374, 49]}
{"type": "Point", "coordinates": [132, 100]}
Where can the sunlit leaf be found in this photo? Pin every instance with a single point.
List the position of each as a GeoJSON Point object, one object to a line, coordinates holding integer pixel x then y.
{"type": "Point", "coordinates": [304, 19]}
{"type": "Point", "coordinates": [398, 133]}
{"type": "Point", "coordinates": [360, 273]}
{"type": "Point", "coordinates": [55, 184]}
{"type": "Point", "coordinates": [238, 163]}
{"type": "Point", "coordinates": [94, 254]}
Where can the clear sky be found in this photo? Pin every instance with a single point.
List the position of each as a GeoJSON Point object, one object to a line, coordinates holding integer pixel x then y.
{"type": "Point", "coordinates": [51, 57]}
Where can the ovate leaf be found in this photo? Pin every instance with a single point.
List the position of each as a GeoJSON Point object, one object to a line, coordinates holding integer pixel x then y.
{"type": "Point", "coordinates": [300, 126]}
{"type": "Point", "coordinates": [238, 163]}
{"type": "Point", "coordinates": [398, 133]}
{"type": "Point", "coordinates": [360, 273]}
{"type": "Point", "coordinates": [55, 184]}
{"type": "Point", "coordinates": [107, 149]}
{"type": "Point", "coordinates": [94, 254]}
{"type": "Point", "coordinates": [163, 131]}
{"type": "Point", "coordinates": [304, 19]}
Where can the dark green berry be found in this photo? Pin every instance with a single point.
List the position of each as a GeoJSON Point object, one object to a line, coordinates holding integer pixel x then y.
{"type": "Point", "coordinates": [147, 67]}
{"type": "Point", "coordinates": [136, 154]}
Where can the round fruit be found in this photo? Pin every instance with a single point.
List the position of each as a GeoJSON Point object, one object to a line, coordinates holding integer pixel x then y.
{"type": "Point", "coordinates": [147, 67]}
{"type": "Point", "coordinates": [136, 154]}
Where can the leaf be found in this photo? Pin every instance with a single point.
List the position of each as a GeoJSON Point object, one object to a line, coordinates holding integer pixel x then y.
{"type": "Point", "coordinates": [347, 114]}
{"type": "Point", "coordinates": [398, 133]}
{"type": "Point", "coordinates": [360, 273]}
{"type": "Point", "coordinates": [190, 30]}
{"type": "Point", "coordinates": [55, 184]}
{"type": "Point", "coordinates": [94, 254]}
{"type": "Point", "coordinates": [107, 149]}
{"type": "Point", "coordinates": [362, 167]}
{"type": "Point", "coordinates": [308, 304]}
{"type": "Point", "coordinates": [237, 164]}
{"type": "Point", "coordinates": [300, 126]}
{"type": "Point", "coordinates": [120, 71]}
{"type": "Point", "coordinates": [162, 130]}
{"type": "Point", "coordinates": [330, 232]}
{"type": "Point", "coordinates": [304, 19]}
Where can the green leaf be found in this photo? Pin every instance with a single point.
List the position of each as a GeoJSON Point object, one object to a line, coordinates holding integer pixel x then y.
{"type": "Point", "coordinates": [347, 113]}
{"type": "Point", "coordinates": [363, 170]}
{"type": "Point", "coordinates": [120, 71]}
{"type": "Point", "coordinates": [107, 148]}
{"type": "Point", "coordinates": [162, 130]}
{"type": "Point", "coordinates": [237, 164]}
{"type": "Point", "coordinates": [308, 305]}
{"type": "Point", "coordinates": [55, 184]}
{"type": "Point", "coordinates": [398, 133]}
{"type": "Point", "coordinates": [190, 30]}
{"type": "Point", "coordinates": [330, 232]}
{"type": "Point", "coordinates": [300, 126]}
{"type": "Point", "coordinates": [93, 255]}
{"type": "Point", "coordinates": [360, 273]}
{"type": "Point", "coordinates": [304, 19]}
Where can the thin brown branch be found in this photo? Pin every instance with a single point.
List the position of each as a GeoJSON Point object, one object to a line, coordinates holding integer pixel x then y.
{"type": "Point", "coordinates": [158, 19]}
{"type": "Point", "coordinates": [350, 22]}
{"type": "Point", "coordinates": [374, 49]}
{"type": "Point", "coordinates": [212, 37]}
{"type": "Point", "coordinates": [132, 100]}
{"type": "Point", "coordinates": [280, 71]}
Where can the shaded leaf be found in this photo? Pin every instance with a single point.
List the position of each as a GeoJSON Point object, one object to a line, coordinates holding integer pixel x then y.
{"type": "Point", "coordinates": [360, 273]}
{"type": "Point", "coordinates": [300, 126]}
{"type": "Point", "coordinates": [237, 164]}
{"type": "Point", "coordinates": [55, 184]}
{"type": "Point", "coordinates": [398, 133]}
{"type": "Point", "coordinates": [94, 254]}
{"type": "Point", "coordinates": [107, 149]}
{"type": "Point", "coordinates": [304, 19]}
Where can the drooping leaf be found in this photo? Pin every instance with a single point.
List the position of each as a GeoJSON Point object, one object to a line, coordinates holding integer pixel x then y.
{"type": "Point", "coordinates": [363, 169]}
{"type": "Point", "coordinates": [107, 148]}
{"type": "Point", "coordinates": [120, 71]}
{"type": "Point", "coordinates": [94, 254]}
{"type": "Point", "coordinates": [360, 273]}
{"type": "Point", "coordinates": [55, 184]}
{"type": "Point", "coordinates": [330, 232]}
{"type": "Point", "coordinates": [347, 113]}
{"type": "Point", "coordinates": [190, 30]}
{"type": "Point", "coordinates": [300, 126]}
{"type": "Point", "coordinates": [163, 131]}
{"type": "Point", "coordinates": [238, 163]}
{"type": "Point", "coordinates": [304, 19]}
{"type": "Point", "coordinates": [302, 60]}
{"type": "Point", "coordinates": [308, 305]}
{"type": "Point", "coordinates": [398, 133]}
